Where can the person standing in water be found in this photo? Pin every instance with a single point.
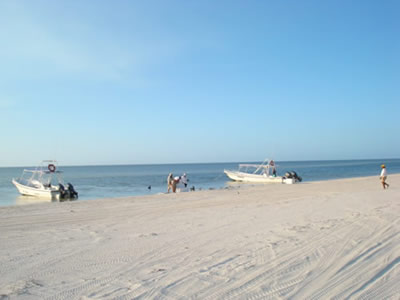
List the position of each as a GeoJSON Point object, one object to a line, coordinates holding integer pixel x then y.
{"type": "Point", "coordinates": [184, 179]}
{"type": "Point", "coordinates": [170, 179]}
{"type": "Point", "coordinates": [383, 177]}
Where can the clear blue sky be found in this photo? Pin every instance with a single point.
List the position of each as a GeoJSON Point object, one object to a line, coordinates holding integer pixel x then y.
{"type": "Point", "coordinates": [115, 82]}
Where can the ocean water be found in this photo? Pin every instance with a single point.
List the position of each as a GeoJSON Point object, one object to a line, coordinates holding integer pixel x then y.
{"type": "Point", "coordinates": [94, 182]}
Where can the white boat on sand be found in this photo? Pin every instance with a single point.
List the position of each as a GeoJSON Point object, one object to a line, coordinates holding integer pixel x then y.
{"type": "Point", "coordinates": [260, 173]}
{"type": "Point", "coordinates": [44, 182]}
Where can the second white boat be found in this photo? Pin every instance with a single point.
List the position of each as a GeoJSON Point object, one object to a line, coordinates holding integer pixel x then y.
{"type": "Point", "coordinates": [261, 173]}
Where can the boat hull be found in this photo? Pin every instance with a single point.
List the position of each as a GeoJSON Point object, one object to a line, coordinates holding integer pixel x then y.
{"type": "Point", "coordinates": [44, 193]}
{"type": "Point", "coordinates": [246, 177]}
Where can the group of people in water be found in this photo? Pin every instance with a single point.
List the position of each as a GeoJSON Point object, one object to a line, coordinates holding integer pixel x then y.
{"type": "Point", "coordinates": [172, 182]}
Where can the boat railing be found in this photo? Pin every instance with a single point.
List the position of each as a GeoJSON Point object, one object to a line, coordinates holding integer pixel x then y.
{"type": "Point", "coordinates": [41, 171]}
{"type": "Point", "coordinates": [258, 168]}
{"type": "Point", "coordinates": [45, 177]}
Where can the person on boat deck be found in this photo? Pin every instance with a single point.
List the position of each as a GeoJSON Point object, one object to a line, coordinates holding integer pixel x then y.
{"type": "Point", "coordinates": [184, 179]}
{"type": "Point", "coordinates": [170, 179]}
{"type": "Point", "coordinates": [272, 164]}
{"type": "Point", "coordinates": [383, 177]}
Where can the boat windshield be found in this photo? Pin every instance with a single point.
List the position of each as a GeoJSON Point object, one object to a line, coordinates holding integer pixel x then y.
{"type": "Point", "coordinates": [40, 177]}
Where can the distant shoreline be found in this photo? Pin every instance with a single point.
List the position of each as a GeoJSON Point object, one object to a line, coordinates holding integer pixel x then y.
{"type": "Point", "coordinates": [207, 163]}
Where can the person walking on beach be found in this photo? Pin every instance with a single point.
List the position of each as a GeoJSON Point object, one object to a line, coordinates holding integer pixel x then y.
{"type": "Point", "coordinates": [383, 177]}
{"type": "Point", "coordinates": [170, 180]}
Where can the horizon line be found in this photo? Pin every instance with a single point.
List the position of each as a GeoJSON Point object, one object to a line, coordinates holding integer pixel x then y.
{"type": "Point", "coordinates": [199, 163]}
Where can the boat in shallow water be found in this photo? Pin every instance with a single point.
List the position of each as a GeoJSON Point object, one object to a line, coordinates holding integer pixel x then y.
{"type": "Point", "coordinates": [261, 173]}
{"type": "Point", "coordinates": [44, 182]}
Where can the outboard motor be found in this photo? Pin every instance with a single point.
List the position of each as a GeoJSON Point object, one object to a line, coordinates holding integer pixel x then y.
{"type": "Point", "coordinates": [293, 175]}
{"type": "Point", "coordinates": [63, 192]}
{"type": "Point", "coordinates": [61, 187]}
{"type": "Point", "coordinates": [71, 190]}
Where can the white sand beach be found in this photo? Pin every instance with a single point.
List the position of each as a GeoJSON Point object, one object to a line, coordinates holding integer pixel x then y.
{"type": "Point", "coordinates": [321, 240]}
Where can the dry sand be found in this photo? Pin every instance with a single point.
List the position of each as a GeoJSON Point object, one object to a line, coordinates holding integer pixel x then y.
{"type": "Point", "coordinates": [334, 239]}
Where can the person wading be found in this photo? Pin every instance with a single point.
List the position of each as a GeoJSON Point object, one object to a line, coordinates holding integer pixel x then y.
{"type": "Point", "coordinates": [170, 179]}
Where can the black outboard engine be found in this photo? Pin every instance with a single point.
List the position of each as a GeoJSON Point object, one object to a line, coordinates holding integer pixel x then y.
{"type": "Point", "coordinates": [71, 191]}
{"type": "Point", "coordinates": [63, 191]}
{"type": "Point", "coordinates": [293, 175]}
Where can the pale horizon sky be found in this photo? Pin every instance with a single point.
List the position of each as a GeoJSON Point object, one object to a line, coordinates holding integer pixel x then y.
{"type": "Point", "coordinates": [134, 82]}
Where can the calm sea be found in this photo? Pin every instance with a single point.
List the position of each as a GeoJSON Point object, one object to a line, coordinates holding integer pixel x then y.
{"type": "Point", "coordinates": [94, 182]}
